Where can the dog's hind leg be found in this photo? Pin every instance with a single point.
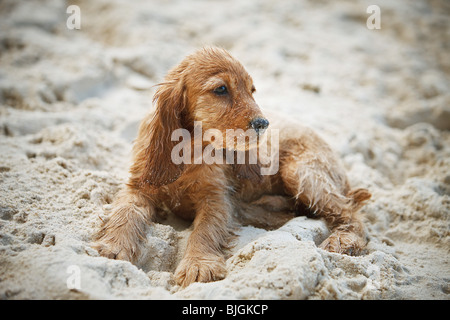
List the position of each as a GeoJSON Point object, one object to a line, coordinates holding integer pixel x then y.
{"type": "Point", "coordinates": [317, 181]}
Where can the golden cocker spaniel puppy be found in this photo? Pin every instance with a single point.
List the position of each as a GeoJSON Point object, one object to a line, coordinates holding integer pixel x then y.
{"type": "Point", "coordinates": [210, 91]}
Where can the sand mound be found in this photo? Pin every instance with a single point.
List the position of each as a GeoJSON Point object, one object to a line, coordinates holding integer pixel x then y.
{"type": "Point", "coordinates": [71, 101]}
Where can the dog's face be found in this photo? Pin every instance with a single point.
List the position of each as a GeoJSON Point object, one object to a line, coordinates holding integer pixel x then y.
{"type": "Point", "coordinates": [220, 96]}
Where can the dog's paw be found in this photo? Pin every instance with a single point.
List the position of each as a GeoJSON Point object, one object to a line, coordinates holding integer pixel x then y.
{"type": "Point", "coordinates": [113, 250]}
{"type": "Point", "coordinates": [200, 269]}
{"type": "Point", "coordinates": [343, 242]}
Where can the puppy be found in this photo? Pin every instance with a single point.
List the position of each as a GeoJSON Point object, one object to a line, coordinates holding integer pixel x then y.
{"type": "Point", "coordinates": [213, 89]}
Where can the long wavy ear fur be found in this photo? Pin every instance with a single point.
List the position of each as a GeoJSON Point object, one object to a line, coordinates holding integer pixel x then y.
{"type": "Point", "coordinates": [153, 165]}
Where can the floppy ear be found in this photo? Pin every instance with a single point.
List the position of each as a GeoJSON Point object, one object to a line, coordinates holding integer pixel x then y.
{"type": "Point", "coordinates": [153, 165]}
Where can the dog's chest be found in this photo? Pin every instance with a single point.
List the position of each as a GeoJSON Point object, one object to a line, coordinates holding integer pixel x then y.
{"type": "Point", "coordinates": [177, 201]}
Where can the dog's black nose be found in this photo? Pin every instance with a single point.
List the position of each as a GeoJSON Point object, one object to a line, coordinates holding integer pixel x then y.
{"type": "Point", "coordinates": [259, 124]}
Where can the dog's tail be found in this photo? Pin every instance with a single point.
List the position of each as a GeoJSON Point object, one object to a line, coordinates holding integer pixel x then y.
{"type": "Point", "coordinates": [358, 198]}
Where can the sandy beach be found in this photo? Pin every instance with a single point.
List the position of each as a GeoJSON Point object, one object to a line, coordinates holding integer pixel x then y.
{"type": "Point", "coordinates": [71, 101]}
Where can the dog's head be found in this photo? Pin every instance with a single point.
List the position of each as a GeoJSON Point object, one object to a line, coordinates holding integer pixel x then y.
{"type": "Point", "coordinates": [221, 93]}
{"type": "Point", "coordinates": [212, 88]}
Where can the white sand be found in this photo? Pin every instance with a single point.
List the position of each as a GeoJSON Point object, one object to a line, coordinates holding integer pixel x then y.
{"type": "Point", "coordinates": [71, 100]}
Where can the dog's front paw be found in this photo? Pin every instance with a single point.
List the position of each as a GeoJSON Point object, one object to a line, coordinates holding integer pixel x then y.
{"type": "Point", "coordinates": [344, 242]}
{"type": "Point", "coordinates": [200, 269]}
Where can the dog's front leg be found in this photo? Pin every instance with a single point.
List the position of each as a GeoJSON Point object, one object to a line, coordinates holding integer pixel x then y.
{"type": "Point", "coordinates": [122, 236]}
{"type": "Point", "coordinates": [203, 260]}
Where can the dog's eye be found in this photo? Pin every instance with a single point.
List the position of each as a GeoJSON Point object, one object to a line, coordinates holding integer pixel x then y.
{"type": "Point", "coordinates": [253, 89]}
{"type": "Point", "coordinates": [222, 90]}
